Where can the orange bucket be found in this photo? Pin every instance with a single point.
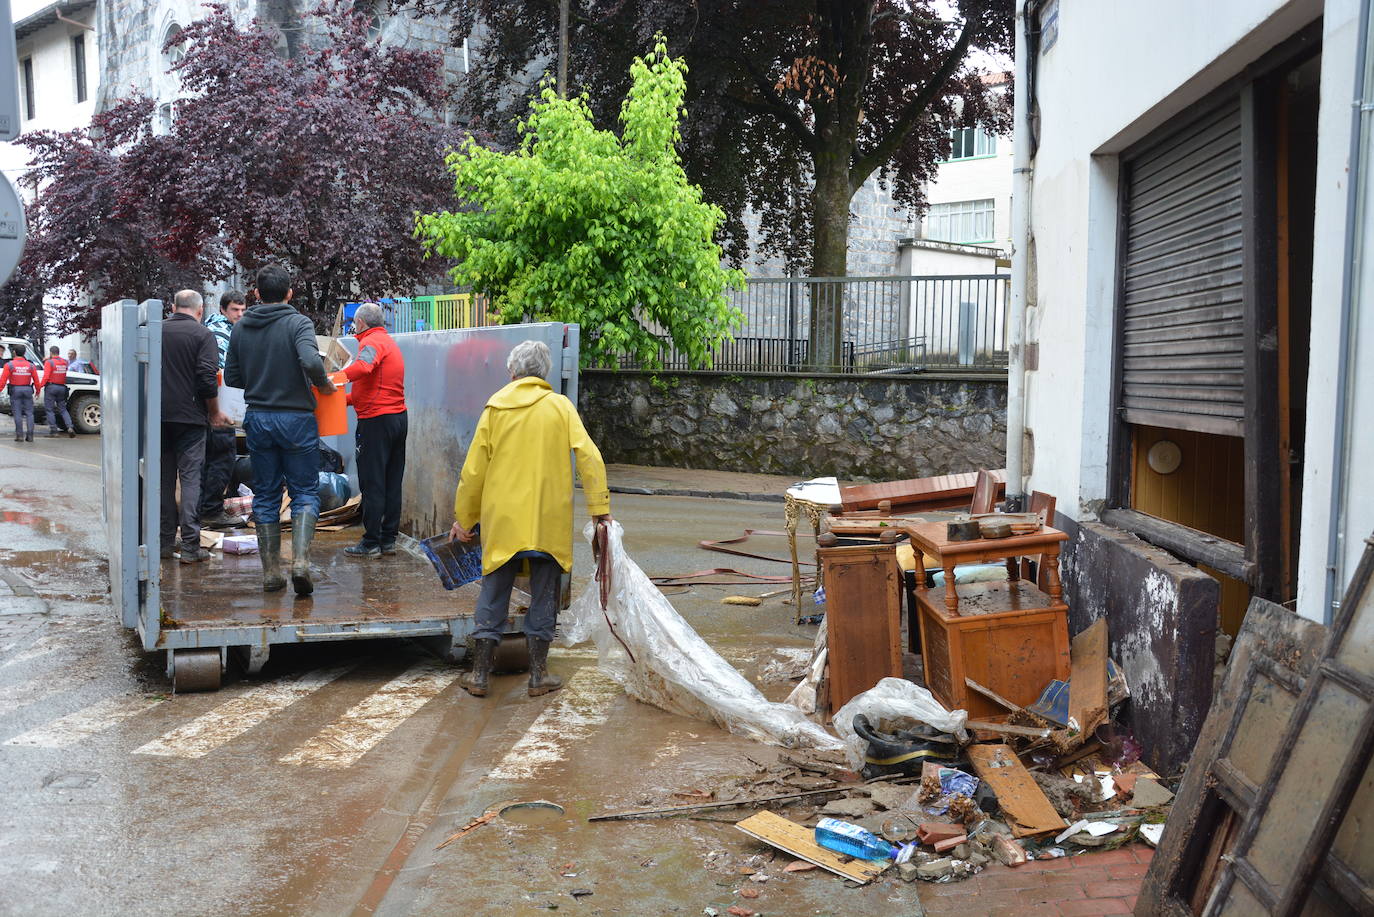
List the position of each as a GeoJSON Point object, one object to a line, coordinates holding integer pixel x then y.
{"type": "Point", "coordinates": [331, 411]}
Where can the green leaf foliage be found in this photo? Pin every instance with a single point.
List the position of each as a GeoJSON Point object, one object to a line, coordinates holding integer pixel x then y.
{"type": "Point", "coordinates": [580, 225]}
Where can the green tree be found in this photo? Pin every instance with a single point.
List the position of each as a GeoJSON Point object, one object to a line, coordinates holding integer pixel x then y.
{"type": "Point", "coordinates": [580, 225]}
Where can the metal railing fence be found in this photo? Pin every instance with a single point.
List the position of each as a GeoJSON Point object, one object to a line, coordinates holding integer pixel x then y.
{"type": "Point", "coordinates": [886, 324]}
{"type": "Point", "coordinates": [427, 313]}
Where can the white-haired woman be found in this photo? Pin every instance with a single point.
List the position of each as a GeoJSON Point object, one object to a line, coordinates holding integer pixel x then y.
{"type": "Point", "coordinates": [517, 482]}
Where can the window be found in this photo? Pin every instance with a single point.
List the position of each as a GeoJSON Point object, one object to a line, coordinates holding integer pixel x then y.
{"type": "Point", "coordinates": [971, 143]}
{"type": "Point", "coordinates": [28, 88]}
{"type": "Point", "coordinates": [960, 221]}
{"type": "Point", "coordinates": [79, 66]}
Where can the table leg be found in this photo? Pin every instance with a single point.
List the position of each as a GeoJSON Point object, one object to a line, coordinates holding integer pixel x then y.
{"type": "Point", "coordinates": [1050, 561]}
{"type": "Point", "coordinates": [951, 597]}
{"type": "Point", "coordinates": [1013, 569]}
{"type": "Point", "coordinates": [790, 516]}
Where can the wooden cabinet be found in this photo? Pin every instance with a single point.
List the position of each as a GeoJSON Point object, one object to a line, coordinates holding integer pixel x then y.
{"type": "Point", "coordinates": [863, 618]}
{"type": "Point", "coordinates": [1010, 637]}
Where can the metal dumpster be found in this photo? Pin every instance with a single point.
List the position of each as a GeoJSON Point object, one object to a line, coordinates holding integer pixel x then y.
{"type": "Point", "coordinates": [197, 613]}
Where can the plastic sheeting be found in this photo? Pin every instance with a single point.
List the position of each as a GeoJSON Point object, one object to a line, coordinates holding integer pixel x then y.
{"type": "Point", "coordinates": [659, 659]}
{"type": "Point", "coordinates": [892, 704]}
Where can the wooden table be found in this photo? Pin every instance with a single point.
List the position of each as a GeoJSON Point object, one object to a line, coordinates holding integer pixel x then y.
{"type": "Point", "coordinates": [931, 538]}
{"type": "Point", "coordinates": [1010, 637]}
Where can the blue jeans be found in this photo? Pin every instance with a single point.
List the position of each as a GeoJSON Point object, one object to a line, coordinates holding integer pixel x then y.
{"type": "Point", "coordinates": [285, 448]}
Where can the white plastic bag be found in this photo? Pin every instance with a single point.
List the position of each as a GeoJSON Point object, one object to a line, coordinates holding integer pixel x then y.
{"type": "Point", "coordinates": [893, 703]}
{"type": "Point", "coordinates": [672, 667]}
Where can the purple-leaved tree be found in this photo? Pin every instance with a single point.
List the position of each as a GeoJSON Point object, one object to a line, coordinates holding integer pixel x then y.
{"type": "Point", "coordinates": [319, 161]}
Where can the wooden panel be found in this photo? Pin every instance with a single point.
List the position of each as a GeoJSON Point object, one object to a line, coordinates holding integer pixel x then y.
{"type": "Point", "coordinates": [1027, 810]}
{"type": "Point", "coordinates": [1182, 277]}
{"type": "Point", "coordinates": [799, 841]}
{"type": "Point", "coordinates": [939, 492]}
{"type": "Point", "coordinates": [863, 618]}
{"type": "Point", "coordinates": [1206, 493]}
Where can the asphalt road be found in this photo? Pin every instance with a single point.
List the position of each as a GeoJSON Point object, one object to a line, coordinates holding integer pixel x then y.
{"type": "Point", "coordinates": [324, 784]}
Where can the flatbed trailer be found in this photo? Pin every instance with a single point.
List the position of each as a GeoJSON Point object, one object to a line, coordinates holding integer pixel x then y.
{"type": "Point", "coordinates": [198, 613]}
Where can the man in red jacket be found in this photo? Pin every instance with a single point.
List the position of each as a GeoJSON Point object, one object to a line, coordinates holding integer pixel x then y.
{"type": "Point", "coordinates": [53, 385]}
{"type": "Point", "coordinates": [379, 397]}
{"type": "Point", "coordinates": [22, 378]}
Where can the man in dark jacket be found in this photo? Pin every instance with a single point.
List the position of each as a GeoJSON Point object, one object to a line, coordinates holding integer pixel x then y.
{"type": "Point", "coordinates": [220, 443]}
{"type": "Point", "coordinates": [273, 357]}
{"type": "Point", "coordinates": [190, 401]}
{"type": "Point", "coordinates": [379, 398]}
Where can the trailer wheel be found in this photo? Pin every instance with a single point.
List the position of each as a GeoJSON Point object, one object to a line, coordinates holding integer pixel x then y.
{"type": "Point", "coordinates": [512, 655]}
{"type": "Point", "coordinates": [194, 670]}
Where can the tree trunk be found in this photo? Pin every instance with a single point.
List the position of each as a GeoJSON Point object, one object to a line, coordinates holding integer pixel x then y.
{"type": "Point", "coordinates": [829, 258]}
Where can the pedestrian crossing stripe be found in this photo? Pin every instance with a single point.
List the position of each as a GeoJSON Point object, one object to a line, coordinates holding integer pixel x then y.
{"type": "Point", "coordinates": [89, 721]}
{"type": "Point", "coordinates": [232, 719]}
{"type": "Point", "coordinates": [573, 713]}
{"type": "Point", "coordinates": [342, 743]}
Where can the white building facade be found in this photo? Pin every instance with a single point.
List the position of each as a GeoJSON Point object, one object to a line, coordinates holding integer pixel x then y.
{"type": "Point", "coordinates": [1199, 361]}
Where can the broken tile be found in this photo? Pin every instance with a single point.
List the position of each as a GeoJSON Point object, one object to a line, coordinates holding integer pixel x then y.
{"type": "Point", "coordinates": [1149, 793]}
{"type": "Point", "coordinates": [799, 866]}
{"type": "Point", "coordinates": [935, 869]}
{"type": "Point", "coordinates": [853, 807]}
{"type": "Point", "coordinates": [950, 843]}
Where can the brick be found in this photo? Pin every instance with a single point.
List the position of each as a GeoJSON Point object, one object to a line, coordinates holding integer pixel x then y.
{"type": "Point", "coordinates": [1054, 865]}
{"type": "Point", "coordinates": [1060, 892]}
{"type": "Point", "coordinates": [1120, 855]}
{"type": "Point", "coordinates": [1127, 870]}
{"type": "Point", "coordinates": [1093, 907]}
{"type": "Point", "coordinates": [1077, 877]}
{"type": "Point", "coordinates": [964, 889]}
{"type": "Point", "coordinates": [1143, 853]}
{"type": "Point", "coordinates": [1116, 888]}
{"type": "Point", "coordinates": [1012, 878]}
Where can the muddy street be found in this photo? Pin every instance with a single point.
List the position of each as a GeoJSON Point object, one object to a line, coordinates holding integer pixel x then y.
{"type": "Point", "coordinates": [324, 784]}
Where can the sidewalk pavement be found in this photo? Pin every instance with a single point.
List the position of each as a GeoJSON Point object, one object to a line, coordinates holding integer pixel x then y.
{"type": "Point", "coordinates": [1081, 886]}
{"type": "Point", "coordinates": [697, 482]}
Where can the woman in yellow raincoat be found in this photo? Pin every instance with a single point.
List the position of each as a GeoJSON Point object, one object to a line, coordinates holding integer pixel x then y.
{"type": "Point", "coordinates": [517, 481]}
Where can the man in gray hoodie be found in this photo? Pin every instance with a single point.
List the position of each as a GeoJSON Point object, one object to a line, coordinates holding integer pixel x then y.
{"type": "Point", "coordinates": [273, 357]}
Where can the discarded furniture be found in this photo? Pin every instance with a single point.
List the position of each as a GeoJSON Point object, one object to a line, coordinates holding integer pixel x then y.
{"type": "Point", "coordinates": [931, 537]}
{"type": "Point", "coordinates": [1273, 814]}
{"type": "Point", "coordinates": [811, 499]}
{"type": "Point", "coordinates": [1010, 636]}
{"type": "Point", "coordinates": [984, 493]}
{"type": "Point", "coordinates": [1044, 504]}
{"type": "Point", "coordinates": [945, 491]}
{"type": "Point", "coordinates": [863, 617]}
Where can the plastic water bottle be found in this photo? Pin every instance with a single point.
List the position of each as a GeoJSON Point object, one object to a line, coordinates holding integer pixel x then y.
{"type": "Point", "coordinates": [842, 837]}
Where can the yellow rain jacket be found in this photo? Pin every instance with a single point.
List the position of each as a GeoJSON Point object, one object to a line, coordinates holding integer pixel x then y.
{"type": "Point", "coordinates": [517, 479]}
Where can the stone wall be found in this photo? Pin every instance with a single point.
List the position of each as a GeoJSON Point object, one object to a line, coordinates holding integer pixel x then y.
{"type": "Point", "coordinates": [854, 427]}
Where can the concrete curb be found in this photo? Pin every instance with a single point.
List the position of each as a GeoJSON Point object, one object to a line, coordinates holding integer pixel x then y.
{"type": "Point", "coordinates": [706, 494]}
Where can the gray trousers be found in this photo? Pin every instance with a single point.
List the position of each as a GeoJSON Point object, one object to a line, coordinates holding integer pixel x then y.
{"type": "Point", "coordinates": [493, 603]}
{"type": "Point", "coordinates": [55, 404]}
{"type": "Point", "coordinates": [21, 404]}
{"type": "Point", "coordinates": [183, 455]}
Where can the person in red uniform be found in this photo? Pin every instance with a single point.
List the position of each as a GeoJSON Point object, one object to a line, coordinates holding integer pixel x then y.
{"type": "Point", "coordinates": [53, 385]}
{"type": "Point", "coordinates": [378, 397]}
{"type": "Point", "coordinates": [22, 378]}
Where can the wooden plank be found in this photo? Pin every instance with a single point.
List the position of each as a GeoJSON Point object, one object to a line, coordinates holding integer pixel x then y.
{"type": "Point", "coordinates": [992, 695]}
{"type": "Point", "coordinates": [1088, 683]}
{"type": "Point", "coordinates": [1027, 809]}
{"type": "Point", "coordinates": [936, 492]}
{"type": "Point", "coordinates": [1194, 546]}
{"type": "Point", "coordinates": [726, 804]}
{"type": "Point", "coordinates": [799, 841]}
{"type": "Point", "coordinates": [1026, 732]}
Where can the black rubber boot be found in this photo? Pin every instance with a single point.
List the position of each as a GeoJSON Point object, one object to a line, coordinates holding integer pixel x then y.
{"type": "Point", "coordinates": [269, 549]}
{"type": "Point", "coordinates": [541, 681]}
{"type": "Point", "coordinates": [302, 533]}
{"type": "Point", "coordinates": [476, 681]}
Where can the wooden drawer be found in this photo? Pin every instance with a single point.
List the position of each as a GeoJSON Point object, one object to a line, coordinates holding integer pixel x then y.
{"type": "Point", "coordinates": [863, 618]}
{"type": "Point", "coordinates": [1016, 643]}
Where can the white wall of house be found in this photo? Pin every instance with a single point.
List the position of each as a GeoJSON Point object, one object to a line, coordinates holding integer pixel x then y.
{"type": "Point", "coordinates": [1117, 71]}
{"type": "Point", "coordinates": [976, 179]}
{"type": "Point", "coordinates": [56, 106]}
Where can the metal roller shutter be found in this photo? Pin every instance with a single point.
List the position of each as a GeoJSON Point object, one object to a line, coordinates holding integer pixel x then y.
{"type": "Point", "coordinates": [1183, 363]}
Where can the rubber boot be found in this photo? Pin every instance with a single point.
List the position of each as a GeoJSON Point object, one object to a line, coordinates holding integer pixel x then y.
{"type": "Point", "coordinates": [269, 549]}
{"type": "Point", "coordinates": [302, 533]}
{"type": "Point", "coordinates": [541, 682]}
{"type": "Point", "coordinates": [476, 681]}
